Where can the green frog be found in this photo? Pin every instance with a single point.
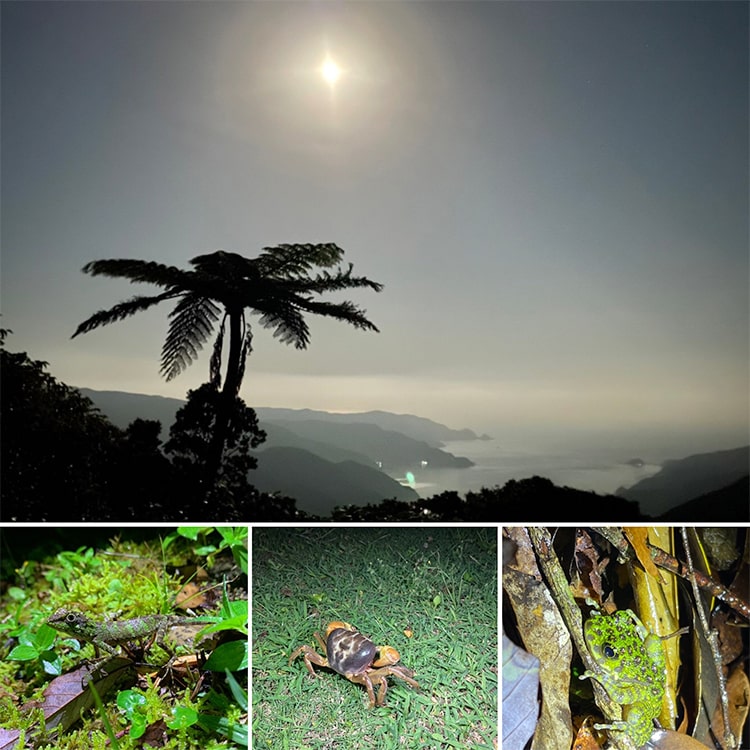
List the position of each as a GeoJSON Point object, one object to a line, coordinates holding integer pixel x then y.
{"type": "Point", "coordinates": [630, 667]}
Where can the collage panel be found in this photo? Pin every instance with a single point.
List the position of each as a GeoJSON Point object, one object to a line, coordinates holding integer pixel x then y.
{"type": "Point", "coordinates": [374, 637]}
{"type": "Point", "coordinates": [123, 637]}
{"type": "Point", "coordinates": [625, 637]}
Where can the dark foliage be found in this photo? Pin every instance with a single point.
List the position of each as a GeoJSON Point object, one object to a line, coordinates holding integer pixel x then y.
{"type": "Point", "coordinates": [57, 450]}
{"type": "Point", "coordinates": [275, 507]}
{"type": "Point", "coordinates": [64, 461]}
{"type": "Point", "coordinates": [531, 499]}
{"type": "Point", "coordinates": [191, 444]}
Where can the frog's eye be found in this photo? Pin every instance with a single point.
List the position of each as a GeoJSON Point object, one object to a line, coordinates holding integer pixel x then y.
{"type": "Point", "coordinates": [609, 651]}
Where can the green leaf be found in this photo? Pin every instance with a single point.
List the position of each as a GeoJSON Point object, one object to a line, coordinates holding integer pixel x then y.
{"type": "Point", "coordinates": [137, 726]}
{"type": "Point", "coordinates": [192, 532]}
{"type": "Point", "coordinates": [233, 535]}
{"type": "Point", "coordinates": [234, 732]}
{"type": "Point", "coordinates": [51, 662]}
{"type": "Point", "coordinates": [16, 593]}
{"type": "Point", "coordinates": [133, 705]}
{"type": "Point", "coordinates": [169, 539]}
{"type": "Point", "coordinates": [184, 717]}
{"type": "Point", "coordinates": [232, 656]}
{"type": "Point", "coordinates": [45, 637]}
{"type": "Point", "coordinates": [23, 653]}
{"type": "Point", "coordinates": [130, 701]}
{"type": "Point", "coordinates": [240, 695]}
{"type": "Point", "coordinates": [239, 552]}
{"type": "Point", "coordinates": [238, 623]}
{"type": "Point", "coordinates": [27, 638]}
{"type": "Point", "coordinates": [234, 608]}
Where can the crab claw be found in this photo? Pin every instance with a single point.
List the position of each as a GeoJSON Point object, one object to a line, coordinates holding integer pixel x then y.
{"type": "Point", "coordinates": [388, 656]}
{"type": "Point", "coordinates": [336, 625]}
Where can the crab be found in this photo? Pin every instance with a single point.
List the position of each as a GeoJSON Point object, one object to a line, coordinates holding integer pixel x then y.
{"type": "Point", "coordinates": [352, 655]}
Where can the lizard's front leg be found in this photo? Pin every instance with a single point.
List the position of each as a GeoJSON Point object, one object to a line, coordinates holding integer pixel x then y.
{"type": "Point", "coordinates": [160, 637]}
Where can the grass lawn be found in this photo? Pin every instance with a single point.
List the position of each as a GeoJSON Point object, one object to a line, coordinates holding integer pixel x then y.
{"type": "Point", "coordinates": [431, 593]}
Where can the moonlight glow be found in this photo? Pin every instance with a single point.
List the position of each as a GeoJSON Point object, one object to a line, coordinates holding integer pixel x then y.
{"type": "Point", "coordinates": [330, 71]}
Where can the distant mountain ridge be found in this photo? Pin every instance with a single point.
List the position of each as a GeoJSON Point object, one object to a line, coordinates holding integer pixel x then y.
{"type": "Point", "coordinates": [319, 485]}
{"type": "Point", "coordinates": [419, 428]}
{"type": "Point", "coordinates": [392, 451]}
{"type": "Point", "coordinates": [730, 503]}
{"type": "Point", "coordinates": [122, 407]}
{"type": "Point", "coordinates": [320, 459]}
{"type": "Point", "coordinates": [683, 480]}
{"type": "Point", "coordinates": [278, 436]}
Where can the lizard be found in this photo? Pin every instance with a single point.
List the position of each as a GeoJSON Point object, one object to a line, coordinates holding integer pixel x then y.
{"type": "Point", "coordinates": [106, 635]}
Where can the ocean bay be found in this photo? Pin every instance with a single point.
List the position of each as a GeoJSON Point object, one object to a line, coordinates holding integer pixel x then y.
{"type": "Point", "coordinates": [497, 462]}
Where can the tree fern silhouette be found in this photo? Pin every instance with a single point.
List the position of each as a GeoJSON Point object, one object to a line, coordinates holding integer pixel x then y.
{"type": "Point", "coordinates": [280, 285]}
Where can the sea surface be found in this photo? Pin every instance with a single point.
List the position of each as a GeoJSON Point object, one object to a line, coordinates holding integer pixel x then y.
{"type": "Point", "coordinates": [497, 461]}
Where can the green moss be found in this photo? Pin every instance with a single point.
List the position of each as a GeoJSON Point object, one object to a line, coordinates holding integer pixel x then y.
{"type": "Point", "coordinates": [126, 582]}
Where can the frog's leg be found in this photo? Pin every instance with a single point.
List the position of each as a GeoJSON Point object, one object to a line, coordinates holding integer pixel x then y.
{"type": "Point", "coordinates": [638, 714]}
{"type": "Point", "coordinates": [611, 684]}
{"type": "Point", "coordinates": [620, 689]}
{"type": "Point", "coordinates": [638, 731]}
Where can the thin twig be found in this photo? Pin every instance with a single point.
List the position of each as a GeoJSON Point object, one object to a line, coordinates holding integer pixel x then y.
{"type": "Point", "coordinates": [712, 639]}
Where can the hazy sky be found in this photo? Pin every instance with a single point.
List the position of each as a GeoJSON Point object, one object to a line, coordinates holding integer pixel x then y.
{"type": "Point", "coordinates": [555, 196]}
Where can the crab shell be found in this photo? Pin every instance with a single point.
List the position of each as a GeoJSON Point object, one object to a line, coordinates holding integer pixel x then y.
{"type": "Point", "coordinates": [349, 652]}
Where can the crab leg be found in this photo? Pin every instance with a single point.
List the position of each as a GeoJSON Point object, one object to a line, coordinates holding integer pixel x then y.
{"type": "Point", "coordinates": [311, 657]}
{"type": "Point", "coordinates": [364, 679]}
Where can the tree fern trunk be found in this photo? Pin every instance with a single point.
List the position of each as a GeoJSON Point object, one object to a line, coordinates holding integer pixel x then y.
{"type": "Point", "coordinates": [229, 392]}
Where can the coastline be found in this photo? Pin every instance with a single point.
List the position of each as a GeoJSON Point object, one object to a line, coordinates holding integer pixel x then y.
{"type": "Point", "coordinates": [495, 464]}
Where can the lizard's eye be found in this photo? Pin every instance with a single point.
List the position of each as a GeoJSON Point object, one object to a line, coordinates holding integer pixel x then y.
{"type": "Point", "coordinates": [70, 617]}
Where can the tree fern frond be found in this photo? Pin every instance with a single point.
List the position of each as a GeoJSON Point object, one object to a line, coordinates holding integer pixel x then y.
{"type": "Point", "coordinates": [288, 323]}
{"type": "Point", "coordinates": [120, 311]}
{"type": "Point", "coordinates": [141, 271]}
{"type": "Point", "coordinates": [192, 322]}
{"type": "Point", "coordinates": [346, 311]}
{"type": "Point", "coordinates": [297, 259]}
{"type": "Point", "coordinates": [328, 282]}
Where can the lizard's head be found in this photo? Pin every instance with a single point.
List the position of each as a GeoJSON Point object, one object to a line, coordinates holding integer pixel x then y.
{"type": "Point", "coordinates": [68, 621]}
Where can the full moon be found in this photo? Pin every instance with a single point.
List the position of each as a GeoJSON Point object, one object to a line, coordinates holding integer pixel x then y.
{"type": "Point", "coordinates": [330, 71]}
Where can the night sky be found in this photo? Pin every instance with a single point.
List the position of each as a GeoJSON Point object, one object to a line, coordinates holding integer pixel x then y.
{"type": "Point", "coordinates": [555, 196]}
